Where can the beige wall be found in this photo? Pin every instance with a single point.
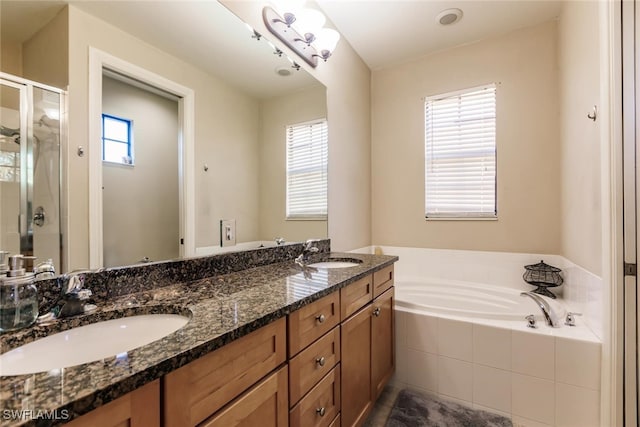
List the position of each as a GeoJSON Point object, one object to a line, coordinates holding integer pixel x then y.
{"type": "Point", "coordinates": [227, 131]}
{"type": "Point", "coordinates": [523, 64]}
{"type": "Point", "coordinates": [347, 79]}
{"type": "Point", "coordinates": [45, 56]}
{"type": "Point", "coordinates": [276, 114]}
{"type": "Point", "coordinates": [580, 137]}
{"type": "Point", "coordinates": [10, 57]}
{"type": "Point", "coordinates": [140, 202]}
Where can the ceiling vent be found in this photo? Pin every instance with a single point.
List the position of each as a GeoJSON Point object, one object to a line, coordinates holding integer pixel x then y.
{"type": "Point", "coordinates": [449, 16]}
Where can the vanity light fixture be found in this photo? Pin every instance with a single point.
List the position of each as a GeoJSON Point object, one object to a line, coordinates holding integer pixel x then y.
{"type": "Point", "coordinates": [302, 30]}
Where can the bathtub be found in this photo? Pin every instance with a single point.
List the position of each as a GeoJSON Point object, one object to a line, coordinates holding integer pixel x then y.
{"type": "Point", "coordinates": [468, 300]}
{"type": "Point", "coordinates": [469, 342]}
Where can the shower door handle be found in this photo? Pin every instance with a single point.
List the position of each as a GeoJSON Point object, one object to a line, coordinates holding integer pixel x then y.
{"type": "Point", "coordinates": [39, 216]}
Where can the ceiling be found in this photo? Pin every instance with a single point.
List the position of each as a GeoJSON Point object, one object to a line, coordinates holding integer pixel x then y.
{"type": "Point", "coordinates": [389, 32]}
{"type": "Point", "coordinates": [383, 32]}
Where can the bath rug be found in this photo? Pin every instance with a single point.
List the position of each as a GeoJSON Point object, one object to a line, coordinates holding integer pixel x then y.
{"type": "Point", "coordinates": [413, 409]}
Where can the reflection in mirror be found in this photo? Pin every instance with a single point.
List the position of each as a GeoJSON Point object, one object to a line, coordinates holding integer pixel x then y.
{"type": "Point", "coordinates": [30, 169]}
{"type": "Point", "coordinates": [245, 97]}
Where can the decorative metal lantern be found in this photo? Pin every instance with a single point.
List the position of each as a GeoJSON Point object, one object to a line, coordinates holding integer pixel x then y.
{"type": "Point", "coordinates": [543, 276]}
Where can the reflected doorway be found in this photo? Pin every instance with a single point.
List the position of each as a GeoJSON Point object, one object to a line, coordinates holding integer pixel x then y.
{"type": "Point", "coordinates": [140, 172]}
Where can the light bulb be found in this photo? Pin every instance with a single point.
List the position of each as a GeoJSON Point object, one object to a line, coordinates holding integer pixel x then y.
{"type": "Point", "coordinates": [288, 6]}
{"type": "Point", "coordinates": [309, 21]}
{"type": "Point", "coordinates": [326, 40]}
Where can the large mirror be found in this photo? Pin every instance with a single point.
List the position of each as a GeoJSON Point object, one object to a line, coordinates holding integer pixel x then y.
{"type": "Point", "coordinates": [245, 190]}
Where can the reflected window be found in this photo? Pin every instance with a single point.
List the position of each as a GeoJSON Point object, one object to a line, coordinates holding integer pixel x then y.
{"type": "Point", "coordinates": [117, 140]}
{"type": "Point", "coordinates": [460, 154]}
{"type": "Point", "coordinates": [9, 166]}
{"type": "Point", "coordinates": [307, 153]}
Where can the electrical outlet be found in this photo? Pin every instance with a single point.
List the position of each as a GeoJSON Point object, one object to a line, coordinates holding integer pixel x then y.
{"type": "Point", "coordinates": [227, 232]}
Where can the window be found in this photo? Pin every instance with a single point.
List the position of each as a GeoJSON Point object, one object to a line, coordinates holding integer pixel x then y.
{"type": "Point", "coordinates": [307, 152]}
{"type": "Point", "coordinates": [116, 140]}
{"type": "Point", "coordinates": [460, 154]}
{"type": "Point", "coordinates": [10, 164]}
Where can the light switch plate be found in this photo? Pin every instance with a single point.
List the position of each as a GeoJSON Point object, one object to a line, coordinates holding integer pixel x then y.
{"type": "Point", "coordinates": [227, 232]}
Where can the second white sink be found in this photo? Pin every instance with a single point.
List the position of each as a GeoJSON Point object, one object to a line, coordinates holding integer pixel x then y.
{"type": "Point", "coordinates": [336, 263]}
{"type": "Point", "coordinates": [89, 343]}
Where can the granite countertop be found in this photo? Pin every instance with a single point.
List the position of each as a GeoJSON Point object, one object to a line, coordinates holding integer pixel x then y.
{"type": "Point", "coordinates": [222, 308]}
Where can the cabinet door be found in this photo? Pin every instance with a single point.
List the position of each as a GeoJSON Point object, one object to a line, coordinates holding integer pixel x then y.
{"type": "Point", "coordinates": [264, 405]}
{"type": "Point", "coordinates": [382, 342]}
{"type": "Point", "coordinates": [140, 408]}
{"type": "Point", "coordinates": [356, 368]}
{"type": "Point", "coordinates": [199, 389]}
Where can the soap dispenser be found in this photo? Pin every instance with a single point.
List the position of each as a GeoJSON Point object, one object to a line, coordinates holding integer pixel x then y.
{"type": "Point", "coordinates": [18, 296]}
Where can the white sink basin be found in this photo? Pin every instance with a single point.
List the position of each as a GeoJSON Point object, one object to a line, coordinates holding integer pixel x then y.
{"type": "Point", "coordinates": [334, 264]}
{"type": "Point", "coordinates": [89, 343]}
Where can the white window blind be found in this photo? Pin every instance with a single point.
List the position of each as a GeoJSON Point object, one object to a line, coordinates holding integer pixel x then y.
{"type": "Point", "coordinates": [460, 151]}
{"type": "Point", "coordinates": [307, 153]}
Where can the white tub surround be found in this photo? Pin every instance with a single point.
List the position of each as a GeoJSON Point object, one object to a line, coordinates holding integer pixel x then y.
{"type": "Point", "coordinates": [536, 377]}
{"type": "Point", "coordinates": [581, 291]}
{"type": "Point", "coordinates": [457, 336]}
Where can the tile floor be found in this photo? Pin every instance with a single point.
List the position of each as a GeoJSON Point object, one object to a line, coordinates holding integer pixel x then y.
{"type": "Point", "coordinates": [382, 408]}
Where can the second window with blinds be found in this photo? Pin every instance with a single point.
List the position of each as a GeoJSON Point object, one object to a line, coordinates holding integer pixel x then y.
{"type": "Point", "coordinates": [307, 154]}
{"type": "Point", "coordinates": [460, 154]}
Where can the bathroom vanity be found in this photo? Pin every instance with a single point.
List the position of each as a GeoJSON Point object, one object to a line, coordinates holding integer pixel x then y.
{"type": "Point", "coordinates": [267, 345]}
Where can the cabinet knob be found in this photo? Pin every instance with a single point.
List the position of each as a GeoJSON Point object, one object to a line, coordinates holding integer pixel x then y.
{"type": "Point", "coordinates": [321, 411]}
{"type": "Point", "coordinates": [376, 312]}
{"type": "Point", "coordinates": [320, 361]}
{"type": "Point", "coordinates": [321, 318]}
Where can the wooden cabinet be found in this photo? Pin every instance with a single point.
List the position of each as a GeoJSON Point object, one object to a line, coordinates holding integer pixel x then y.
{"type": "Point", "coordinates": [264, 405]}
{"type": "Point", "coordinates": [340, 356]}
{"type": "Point", "coordinates": [140, 408]}
{"type": "Point", "coordinates": [313, 363]}
{"type": "Point", "coordinates": [321, 405]}
{"type": "Point", "coordinates": [382, 280]}
{"type": "Point", "coordinates": [382, 340]}
{"type": "Point", "coordinates": [355, 296]}
{"type": "Point", "coordinates": [312, 321]}
{"type": "Point", "coordinates": [195, 391]}
{"type": "Point", "coordinates": [367, 345]}
{"type": "Point", "coordinates": [356, 367]}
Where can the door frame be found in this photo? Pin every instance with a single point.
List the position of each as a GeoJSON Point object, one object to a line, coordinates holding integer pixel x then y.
{"type": "Point", "coordinates": [99, 60]}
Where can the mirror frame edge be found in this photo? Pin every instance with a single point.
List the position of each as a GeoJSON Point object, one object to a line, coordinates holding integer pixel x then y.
{"type": "Point", "coordinates": [98, 60]}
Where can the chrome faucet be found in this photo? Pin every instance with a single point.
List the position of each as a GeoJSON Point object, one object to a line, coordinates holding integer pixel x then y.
{"type": "Point", "coordinates": [75, 297]}
{"type": "Point", "coordinates": [307, 248]}
{"type": "Point", "coordinates": [548, 313]}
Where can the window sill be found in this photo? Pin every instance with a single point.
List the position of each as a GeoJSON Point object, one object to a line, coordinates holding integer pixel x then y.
{"type": "Point", "coordinates": [461, 218]}
{"type": "Point", "coordinates": [306, 218]}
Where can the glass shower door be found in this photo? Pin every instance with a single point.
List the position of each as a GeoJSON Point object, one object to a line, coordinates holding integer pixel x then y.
{"type": "Point", "coordinates": [30, 170]}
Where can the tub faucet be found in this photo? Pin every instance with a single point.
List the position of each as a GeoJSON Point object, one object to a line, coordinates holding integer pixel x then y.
{"type": "Point", "coordinates": [549, 315]}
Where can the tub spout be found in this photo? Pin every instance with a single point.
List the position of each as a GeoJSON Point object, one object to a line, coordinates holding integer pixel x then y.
{"type": "Point", "coordinates": [549, 315]}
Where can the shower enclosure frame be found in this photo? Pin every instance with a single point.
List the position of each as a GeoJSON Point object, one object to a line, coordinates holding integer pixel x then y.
{"type": "Point", "coordinates": [26, 216]}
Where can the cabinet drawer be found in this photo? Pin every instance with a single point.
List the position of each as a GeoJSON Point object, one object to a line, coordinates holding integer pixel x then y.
{"type": "Point", "coordinates": [382, 280]}
{"type": "Point", "coordinates": [355, 296]}
{"type": "Point", "coordinates": [264, 405]}
{"type": "Point", "coordinates": [139, 408]}
{"type": "Point", "coordinates": [312, 321]}
{"type": "Point", "coordinates": [313, 363]}
{"type": "Point", "coordinates": [321, 405]}
{"type": "Point", "coordinates": [197, 390]}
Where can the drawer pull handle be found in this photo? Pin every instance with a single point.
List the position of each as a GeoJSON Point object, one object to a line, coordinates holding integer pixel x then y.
{"type": "Point", "coordinates": [321, 318]}
{"type": "Point", "coordinates": [320, 361]}
{"type": "Point", "coordinates": [376, 312]}
{"type": "Point", "coordinates": [321, 411]}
